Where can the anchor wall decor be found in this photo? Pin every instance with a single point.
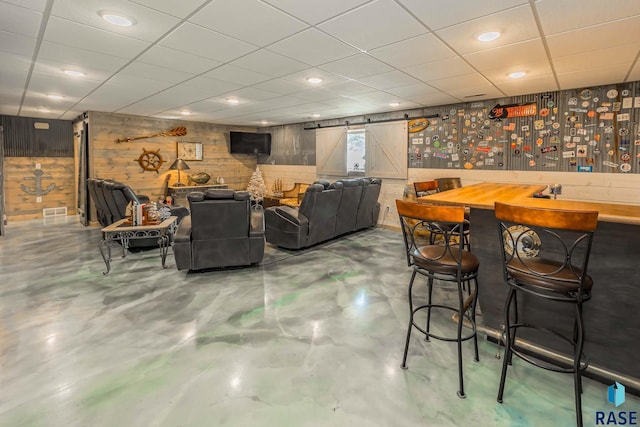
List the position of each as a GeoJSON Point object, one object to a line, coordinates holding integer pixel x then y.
{"type": "Point", "coordinates": [39, 191]}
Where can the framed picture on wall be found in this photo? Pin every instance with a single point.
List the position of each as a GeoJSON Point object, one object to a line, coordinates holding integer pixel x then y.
{"type": "Point", "coordinates": [189, 150]}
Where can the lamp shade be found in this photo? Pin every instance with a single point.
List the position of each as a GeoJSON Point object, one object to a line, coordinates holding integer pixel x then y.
{"type": "Point", "coordinates": [179, 164]}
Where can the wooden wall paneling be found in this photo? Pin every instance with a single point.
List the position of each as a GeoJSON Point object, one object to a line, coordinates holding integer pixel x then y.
{"type": "Point", "coordinates": [118, 161]}
{"type": "Point", "coordinates": [20, 171]}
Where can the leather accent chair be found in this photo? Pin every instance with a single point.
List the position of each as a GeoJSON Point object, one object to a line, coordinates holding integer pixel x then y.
{"type": "Point", "coordinates": [111, 199]}
{"type": "Point", "coordinates": [327, 211]}
{"type": "Point", "coordinates": [348, 208]}
{"type": "Point", "coordinates": [222, 231]}
{"type": "Point", "coordinates": [369, 208]}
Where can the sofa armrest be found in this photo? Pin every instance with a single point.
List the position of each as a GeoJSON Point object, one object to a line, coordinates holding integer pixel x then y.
{"type": "Point", "coordinates": [256, 228]}
{"type": "Point", "coordinates": [291, 215]}
{"type": "Point", "coordinates": [180, 211]}
{"type": "Point", "coordinates": [183, 233]}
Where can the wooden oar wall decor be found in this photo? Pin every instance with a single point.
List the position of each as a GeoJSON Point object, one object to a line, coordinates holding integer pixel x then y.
{"type": "Point", "coordinates": [179, 131]}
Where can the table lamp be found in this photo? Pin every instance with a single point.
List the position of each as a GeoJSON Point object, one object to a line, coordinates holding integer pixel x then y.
{"type": "Point", "coordinates": [179, 165]}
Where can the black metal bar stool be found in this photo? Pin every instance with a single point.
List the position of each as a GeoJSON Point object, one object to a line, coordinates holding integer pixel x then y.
{"type": "Point", "coordinates": [444, 259]}
{"type": "Point", "coordinates": [545, 253]}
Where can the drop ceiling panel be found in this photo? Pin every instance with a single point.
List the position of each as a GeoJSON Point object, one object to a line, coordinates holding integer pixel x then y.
{"type": "Point", "coordinates": [180, 9]}
{"type": "Point", "coordinates": [510, 58]}
{"type": "Point", "coordinates": [270, 63]}
{"type": "Point", "coordinates": [9, 110]}
{"type": "Point", "coordinates": [251, 94]}
{"type": "Point", "coordinates": [66, 57]}
{"type": "Point", "coordinates": [61, 85]}
{"type": "Point", "coordinates": [433, 99]}
{"type": "Point", "coordinates": [553, 14]}
{"type": "Point", "coordinates": [313, 47]}
{"type": "Point", "coordinates": [598, 37]}
{"type": "Point", "coordinates": [532, 85]}
{"type": "Point", "coordinates": [18, 20]}
{"type": "Point", "coordinates": [281, 86]}
{"type": "Point", "coordinates": [55, 69]}
{"type": "Point", "coordinates": [89, 38]}
{"type": "Point", "coordinates": [389, 80]}
{"type": "Point", "coordinates": [435, 14]}
{"type": "Point", "coordinates": [459, 82]}
{"type": "Point", "coordinates": [240, 76]}
{"type": "Point", "coordinates": [590, 77]}
{"type": "Point", "coordinates": [200, 41]}
{"type": "Point", "coordinates": [515, 25]}
{"type": "Point", "coordinates": [149, 24]}
{"type": "Point", "coordinates": [315, 11]}
{"type": "Point", "coordinates": [177, 60]}
{"type": "Point", "coordinates": [413, 91]}
{"type": "Point", "coordinates": [349, 88]}
{"type": "Point", "coordinates": [616, 56]}
{"type": "Point", "coordinates": [39, 100]}
{"type": "Point", "coordinates": [384, 99]}
{"type": "Point", "coordinates": [17, 44]}
{"type": "Point", "coordinates": [373, 25]}
{"type": "Point", "coordinates": [11, 84]}
{"type": "Point", "coordinates": [414, 51]}
{"type": "Point", "coordinates": [209, 87]}
{"type": "Point", "coordinates": [486, 91]}
{"type": "Point", "coordinates": [439, 69]}
{"type": "Point", "coordinates": [38, 5]}
{"type": "Point", "coordinates": [357, 66]}
{"type": "Point", "coordinates": [140, 69]}
{"type": "Point", "coordinates": [248, 20]}
{"type": "Point", "coordinates": [318, 95]}
{"type": "Point", "coordinates": [328, 78]}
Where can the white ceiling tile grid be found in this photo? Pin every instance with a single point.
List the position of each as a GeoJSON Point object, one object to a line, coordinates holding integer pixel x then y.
{"type": "Point", "coordinates": [194, 55]}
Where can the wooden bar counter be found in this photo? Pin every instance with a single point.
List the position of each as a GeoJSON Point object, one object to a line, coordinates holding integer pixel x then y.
{"type": "Point", "coordinates": [612, 322]}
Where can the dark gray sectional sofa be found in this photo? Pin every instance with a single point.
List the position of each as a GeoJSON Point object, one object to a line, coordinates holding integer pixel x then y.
{"type": "Point", "coordinates": [328, 210]}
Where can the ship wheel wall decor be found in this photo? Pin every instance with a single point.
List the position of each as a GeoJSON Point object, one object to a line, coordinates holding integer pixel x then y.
{"type": "Point", "coordinates": [150, 160]}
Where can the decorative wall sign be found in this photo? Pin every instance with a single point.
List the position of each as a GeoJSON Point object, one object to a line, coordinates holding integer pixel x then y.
{"type": "Point", "coordinates": [417, 125]}
{"type": "Point", "coordinates": [189, 150]}
{"type": "Point", "coordinates": [513, 110]}
{"type": "Point", "coordinates": [38, 191]}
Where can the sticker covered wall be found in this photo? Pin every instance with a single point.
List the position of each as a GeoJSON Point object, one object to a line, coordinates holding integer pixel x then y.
{"type": "Point", "coordinates": [583, 130]}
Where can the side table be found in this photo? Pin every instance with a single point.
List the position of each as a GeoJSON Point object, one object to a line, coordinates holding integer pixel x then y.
{"type": "Point", "coordinates": [121, 231]}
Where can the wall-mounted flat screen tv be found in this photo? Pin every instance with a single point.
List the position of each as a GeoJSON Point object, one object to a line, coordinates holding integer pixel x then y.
{"type": "Point", "coordinates": [249, 143]}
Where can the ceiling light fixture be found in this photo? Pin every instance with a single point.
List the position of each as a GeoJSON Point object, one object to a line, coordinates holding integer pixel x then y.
{"type": "Point", "coordinates": [517, 74]}
{"type": "Point", "coordinates": [264, 122]}
{"type": "Point", "coordinates": [233, 100]}
{"type": "Point", "coordinates": [74, 73]}
{"type": "Point", "coordinates": [44, 110]}
{"type": "Point", "coordinates": [394, 104]}
{"type": "Point", "coordinates": [116, 19]}
{"type": "Point", "coordinates": [56, 97]}
{"type": "Point", "coordinates": [315, 116]}
{"type": "Point", "coordinates": [185, 113]}
{"type": "Point", "coordinates": [314, 80]}
{"type": "Point", "coordinates": [488, 36]}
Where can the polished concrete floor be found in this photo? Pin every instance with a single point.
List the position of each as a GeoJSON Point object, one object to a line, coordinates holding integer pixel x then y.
{"type": "Point", "coordinates": [311, 338]}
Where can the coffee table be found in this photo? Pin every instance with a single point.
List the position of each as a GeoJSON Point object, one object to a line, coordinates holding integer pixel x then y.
{"type": "Point", "coordinates": [121, 231]}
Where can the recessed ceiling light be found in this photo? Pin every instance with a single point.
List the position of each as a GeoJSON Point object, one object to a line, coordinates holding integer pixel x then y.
{"type": "Point", "coordinates": [314, 80]}
{"type": "Point", "coordinates": [56, 97]}
{"type": "Point", "coordinates": [233, 100]}
{"type": "Point", "coordinates": [44, 110]}
{"type": "Point", "coordinates": [116, 19]}
{"type": "Point", "coordinates": [74, 73]}
{"type": "Point", "coordinates": [394, 104]}
{"type": "Point", "coordinates": [264, 122]}
{"type": "Point", "coordinates": [488, 36]}
{"type": "Point", "coordinates": [517, 74]}
{"type": "Point", "coordinates": [315, 116]}
{"type": "Point", "coordinates": [185, 113]}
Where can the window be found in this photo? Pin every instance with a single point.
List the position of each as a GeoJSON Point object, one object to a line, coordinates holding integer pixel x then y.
{"type": "Point", "coordinates": [356, 149]}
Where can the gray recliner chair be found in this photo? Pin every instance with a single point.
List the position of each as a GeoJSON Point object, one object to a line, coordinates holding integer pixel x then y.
{"type": "Point", "coordinates": [222, 231]}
